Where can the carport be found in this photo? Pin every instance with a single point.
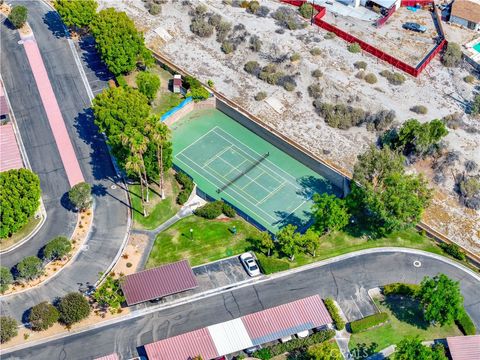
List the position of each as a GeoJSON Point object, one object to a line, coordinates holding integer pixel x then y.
{"type": "Point", "coordinates": [158, 282]}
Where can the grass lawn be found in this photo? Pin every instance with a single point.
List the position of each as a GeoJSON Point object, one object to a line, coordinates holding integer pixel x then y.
{"type": "Point", "coordinates": [165, 101]}
{"type": "Point", "coordinates": [212, 240]}
{"type": "Point", "coordinates": [405, 319]}
{"type": "Point", "coordinates": [158, 210]}
{"type": "Point", "coordinates": [20, 234]}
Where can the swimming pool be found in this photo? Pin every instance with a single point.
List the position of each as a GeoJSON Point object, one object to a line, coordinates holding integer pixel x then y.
{"type": "Point", "coordinates": [476, 47]}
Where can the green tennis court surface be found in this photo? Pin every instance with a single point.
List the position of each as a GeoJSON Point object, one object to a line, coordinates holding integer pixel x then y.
{"type": "Point", "coordinates": [227, 161]}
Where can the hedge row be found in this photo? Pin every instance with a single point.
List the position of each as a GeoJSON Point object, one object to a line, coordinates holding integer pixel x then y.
{"type": "Point", "coordinates": [401, 289]}
{"type": "Point", "coordinates": [465, 323]}
{"type": "Point", "coordinates": [453, 250]}
{"type": "Point", "coordinates": [187, 187]}
{"type": "Point", "coordinates": [270, 265]}
{"type": "Point", "coordinates": [368, 322]}
{"type": "Point", "coordinates": [298, 343]}
{"type": "Point", "coordinates": [214, 209]}
{"type": "Point", "coordinates": [333, 310]}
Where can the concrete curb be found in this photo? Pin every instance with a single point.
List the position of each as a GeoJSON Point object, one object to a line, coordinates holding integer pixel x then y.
{"type": "Point", "coordinates": [245, 283]}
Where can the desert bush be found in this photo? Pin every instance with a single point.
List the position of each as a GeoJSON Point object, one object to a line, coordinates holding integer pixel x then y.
{"type": "Point", "coordinates": [469, 79]}
{"type": "Point", "coordinates": [317, 73]}
{"type": "Point", "coordinates": [453, 121]}
{"type": "Point", "coordinates": [307, 10]}
{"type": "Point", "coordinates": [201, 28]}
{"type": "Point", "coordinates": [381, 120]}
{"type": "Point", "coordinates": [419, 109]}
{"type": "Point", "coordinates": [452, 56]}
{"type": "Point", "coordinates": [470, 165]}
{"type": "Point", "coordinates": [270, 75]}
{"type": "Point", "coordinates": [200, 10]}
{"type": "Point", "coordinates": [394, 78]}
{"type": "Point", "coordinates": [262, 11]}
{"type": "Point", "coordinates": [339, 115]}
{"type": "Point", "coordinates": [469, 189]}
{"type": "Point", "coordinates": [400, 289]}
{"type": "Point", "coordinates": [8, 328]}
{"type": "Point", "coordinates": [287, 18]}
{"type": "Point", "coordinates": [295, 57]}
{"type": "Point", "coordinates": [370, 78]}
{"type": "Point", "coordinates": [360, 75]}
{"type": "Point", "coordinates": [253, 6]}
{"type": "Point", "coordinates": [255, 43]}
{"type": "Point", "coordinates": [330, 35]}
{"type": "Point", "coordinates": [289, 86]}
{"type": "Point", "coordinates": [368, 322]}
{"type": "Point", "coordinates": [155, 9]}
{"type": "Point", "coordinates": [227, 47]}
{"type": "Point", "coordinates": [354, 48]}
{"type": "Point", "coordinates": [453, 250]}
{"type": "Point", "coordinates": [215, 20]}
{"type": "Point", "coordinates": [316, 51]}
{"type": "Point", "coordinates": [315, 91]}
{"type": "Point", "coordinates": [334, 313]}
{"type": "Point", "coordinates": [42, 316]}
{"type": "Point", "coordinates": [252, 67]}
{"type": "Point", "coordinates": [261, 95]}
{"type": "Point", "coordinates": [360, 65]}
{"type": "Point", "coordinates": [223, 28]}
{"type": "Point", "coordinates": [73, 308]}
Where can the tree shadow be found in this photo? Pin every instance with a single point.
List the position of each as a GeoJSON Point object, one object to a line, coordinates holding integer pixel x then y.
{"type": "Point", "coordinates": [406, 310]}
{"type": "Point", "coordinates": [66, 203]}
{"type": "Point", "coordinates": [91, 57]}
{"type": "Point", "coordinates": [99, 190]}
{"type": "Point", "coordinates": [25, 317]}
{"type": "Point", "coordinates": [7, 23]}
{"type": "Point", "coordinates": [55, 24]}
{"type": "Point", "coordinates": [363, 351]}
{"type": "Point", "coordinates": [311, 185]}
{"type": "Point", "coordinates": [285, 218]}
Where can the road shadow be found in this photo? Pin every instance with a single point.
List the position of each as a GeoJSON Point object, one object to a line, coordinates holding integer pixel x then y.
{"type": "Point", "coordinates": [8, 24]}
{"type": "Point", "coordinates": [91, 57]}
{"type": "Point", "coordinates": [55, 24]}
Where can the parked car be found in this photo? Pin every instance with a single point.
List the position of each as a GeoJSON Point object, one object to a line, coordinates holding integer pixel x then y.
{"type": "Point", "coordinates": [414, 27]}
{"type": "Point", "coordinates": [250, 265]}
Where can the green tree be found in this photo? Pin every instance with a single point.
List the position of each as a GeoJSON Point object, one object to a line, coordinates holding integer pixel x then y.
{"type": "Point", "coordinates": [119, 43]}
{"type": "Point", "coordinates": [324, 351]}
{"type": "Point", "coordinates": [414, 137]}
{"type": "Point", "coordinates": [148, 84]}
{"type": "Point", "coordinates": [78, 13]}
{"type": "Point", "coordinates": [310, 242]}
{"type": "Point", "coordinates": [19, 199]}
{"type": "Point", "coordinates": [80, 195]}
{"type": "Point", "coordinates": [18, 16]}
{"type": "Point", "coordinates": [8, 328]}
{"type": "Point", "coordinates": [30, 268]}
{"type": "Point", "coordinates": [109, 294]}
{"type": "Point", "coordinates": [57, 248]}
{"type": "Point", "coordinates": [159, 135]}
{"type": "Point", "coordinates": [73, 308]}
{"type": "Point", "coordinates": [413, 349]}
{"type": "Point", "coordinates": [265, 243]}
{"type": "Point", "coordinates": [475, 107]}
{"type": "Point", "coordinates": [6, 278]}
{"type": "Point", "coordinates": [289, 241]}
{"type": "Point", "coordinates": [42, 316]}
{"type": "Point", "coordinates": [452, 56]}
{"type": "Point", "coordinates": [329, 212]}
{"type": "Point", "coordinates": [441, 299]}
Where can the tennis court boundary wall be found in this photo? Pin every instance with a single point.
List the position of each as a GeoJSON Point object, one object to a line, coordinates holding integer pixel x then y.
{"type": "Point", "coordinates": [189, 107]}
{"type": "Point", "coordinates": [437, 236]}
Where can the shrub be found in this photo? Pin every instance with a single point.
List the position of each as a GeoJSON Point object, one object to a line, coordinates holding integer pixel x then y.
{"type": "Point", "coordinates": [187, 187]}
{"type": "Point", "coordinates": [270, 265]}
{"type": "Point", "coordinates": [360, 65]}
{"type": "Point", "coordinates": [289, 86]}
{"type": "Point", "coordinates": [109, 294]}
{"type": "Point", "coordinates": [6, 278]}
{"type": "Point", "coordinates": [295, 57]}
{"type": "Point", "coordinates": [252, 67]}
{"type": "Point", "coordinates": [339, 115]}
{"type": "Point", "coordinates": [307, 10]}
{"type": "Point", "coordinates": [324, 351]}
{"type": "Point", "coordinates": [42, 316]}
{"type": "Point", "coordinates": [201, 28]}
{"type": "Point", "coordinates": [263, 354]}
{"type": "Point", "coordinates": [253, 7]}
{"type": "Point", "coordinates": [465, 323]}
{"type": "Point", "coordinates": [315, 91]}
{"type": "Point", "coordinates": [370, 78]}
{"type": "Point", "coordinates": [18, 16]}
{"type": "Point", "coordinates": [271, 78]}
{"type": "Point", "coordinates": [400, 289]}
{"type": "Point", "coordinates": [210, 210]}
{"type": "Point", "coordinates": [261, 95]}
{"type": "Point", "coordinates": [454, 250]}
{"type": "Point", "coordinates": [255, 43]}
{"type": "Point", "coordinates": [121, 81]}
{"type": "Point", "coordinates": [155, 9]}
{"type": "Point", "coordinates": [29, 268]}
{"type": "Point", "coordinates": [354, 48]}
{"type": "Point", "coordinates": [393, 78]}
{"type": "Point", "coordinates": [360, 75]}
{"type": "Point", "coordinates": [8, 328]}
{"type": "Point", "coordinates": [368, 322]}
{"type": "Point", "coordinates": [227, 47]}
{"type": "Point", "coordinates": [330, 35]}
{"type": "Point", "coordinates": [334, 313]}
{"type": "Point", "coordinates": [262, 11]}
{"type": "Point", "coordinates": [475, 106]}
{"type": "Point", "coordinates": [316, 51]}
{"type": "Point", "coordinates": [73, 308]}
{"type": "Point", "coordinates": [57, 248]}
{"type": "Point", "coordinates": [228, 210]}
{"type": "Point", "coordinates": [317, 73]}
{"type": "Point", "coordinates": [469, 79]}
{"type": "Point", "coordinates": [452, 56]}
{"type": "Point", "coordinates": [148, 84]}
{"type": "Point", "coordinates": [80, 195]}
{"type": "Point", "coordinates": [419, 109]}
{"type": "Point", "coordinates": [128, 264]}
{"type": "Point", "coordinates": [287, 18]}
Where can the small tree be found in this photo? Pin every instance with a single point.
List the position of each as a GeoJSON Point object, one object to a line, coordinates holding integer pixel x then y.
{"type": "Point", "coordinates": [80, 196]}
{"type": "Point", "coordinates": [453, 55]}
{"type": "Point", "coordinates": [310, 242]}
{"type": "Point", "coordinates": [109, 294]}
{"type": "Point", "coordinates": [265, 243]}
{"type": "Point", "coordinates": [6, 278]}
{"type": "Point", "coordinates": [42, 316]}
{"type": "Point", "coordinates": [78, 13]}
{"type": "Point", "coordinates": [329, 212]}
{"type": "Point", "coordinates": [289, 241]}
{"type": "Point", "coordinates": [29, 268]}
{"type": "Point", "coordinates": [148, 84]}
{"type": "Point", "coordinates": [57, 248]}
{"type": "Point", "coordinates": [412, 348]}
{"type": "Point", "coordinates": [8, 328]}
{"type": "Point", "coordinates": [441, 299]}
{"type": "Point", "coordinates": [73, 308]}
{"type": "Point", "coordinates": [324, 351]}
{"type": "Point", "coordinates": [18, 16]}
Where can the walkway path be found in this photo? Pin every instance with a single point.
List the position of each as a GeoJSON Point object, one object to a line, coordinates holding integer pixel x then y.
{"type": "Point", "coordinates": [57, 124]}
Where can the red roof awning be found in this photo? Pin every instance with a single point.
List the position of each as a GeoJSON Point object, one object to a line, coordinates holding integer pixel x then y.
{"type": "Point", "coordinates": [464, 347]}
{"type": "Point", "coordinates": [10, 157]}
{"type": "Point", "coordinates": [158, 282]}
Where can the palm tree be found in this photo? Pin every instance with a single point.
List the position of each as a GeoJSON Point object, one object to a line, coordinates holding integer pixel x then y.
{"type": "Point", "coordinates": [134, 164]}
{"type": "Point", "coordinates": [159, 133]}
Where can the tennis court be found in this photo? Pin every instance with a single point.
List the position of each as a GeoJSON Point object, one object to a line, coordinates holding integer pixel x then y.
{"type": "Point", "coordinates": [227, 161]}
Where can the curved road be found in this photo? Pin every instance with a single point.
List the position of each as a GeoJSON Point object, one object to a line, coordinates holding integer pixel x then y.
{"type": "Point", "coordinates": [345, 280]}
{"type": "Point", "coordinates": [111, 211]}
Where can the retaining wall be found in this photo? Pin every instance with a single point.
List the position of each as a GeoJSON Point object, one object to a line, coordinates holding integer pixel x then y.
{"type": "Point", "coordinates": [187, 108]}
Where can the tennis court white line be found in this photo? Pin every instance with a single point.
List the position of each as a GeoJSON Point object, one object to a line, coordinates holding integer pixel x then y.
{"type": "Point", "coordinates": [215, 157]}
{"type": "Point", "coordinates": [248, 209]}
{"type": "Point", "coordinates": [201, 137]}
{"type": "Point", "coordinates": [253, 180]}
{"type": "Point", "coordinates": [231, 142]}
{"type": "Point", "coordinates": [234, 168]}
{"type": "Point", "coordinates": [271, 193]}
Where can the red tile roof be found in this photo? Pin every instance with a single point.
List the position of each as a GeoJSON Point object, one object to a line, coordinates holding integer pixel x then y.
{"type": "Point", "coordinates": [464, 347]}
{"type": "Point", "coordinates": [158, 282]}
{"type": "Point", "coordinates": [287, 319]}
{"type": "Point", "coordinates": [9, 153]}
{"type": "Point", "coordinates": [3, 106]}
{"type": "Point", "coordinates": [183, 347]}
{"type": "Point", "coordinates": [113, 356]}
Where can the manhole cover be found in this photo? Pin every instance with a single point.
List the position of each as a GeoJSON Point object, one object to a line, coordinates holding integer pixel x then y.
{"type": "Point", "coordinates": [417, 263]}
{"type": "Point", "coordinates": [113, 187]}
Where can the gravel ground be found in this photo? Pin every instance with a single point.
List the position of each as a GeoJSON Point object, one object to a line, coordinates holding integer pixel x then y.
{"type": "Point", "coordinates": [441, 90]}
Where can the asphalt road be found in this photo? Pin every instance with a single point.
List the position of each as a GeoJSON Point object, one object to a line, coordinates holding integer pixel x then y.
{"type": "Point", "coordinates": [111, 210]}
{"type": "Point", "coordinates": [343, 280]}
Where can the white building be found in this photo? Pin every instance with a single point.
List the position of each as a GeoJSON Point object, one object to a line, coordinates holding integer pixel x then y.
{"type": "Point", "coordinates": [466, 13]}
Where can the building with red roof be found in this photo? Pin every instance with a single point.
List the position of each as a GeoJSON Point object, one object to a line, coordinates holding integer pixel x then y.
{"type": "Point", "coordinates": [464, 347]}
